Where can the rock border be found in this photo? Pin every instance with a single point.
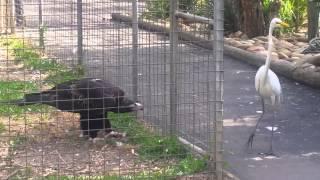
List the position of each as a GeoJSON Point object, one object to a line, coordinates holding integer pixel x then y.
{"type": "Point", "coordinates": [305, 74]}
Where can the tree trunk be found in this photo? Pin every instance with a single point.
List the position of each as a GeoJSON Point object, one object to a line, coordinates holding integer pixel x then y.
{"type": "Point", "coordinates": [231, 14]}
{"type": "Point", "coordinates": [251, 18]}
{"type": "Point", "coordinates": [313, 17]}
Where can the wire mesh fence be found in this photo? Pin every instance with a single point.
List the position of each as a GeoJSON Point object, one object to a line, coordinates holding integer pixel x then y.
{"type": "Point", "coordinates": [178, 83]}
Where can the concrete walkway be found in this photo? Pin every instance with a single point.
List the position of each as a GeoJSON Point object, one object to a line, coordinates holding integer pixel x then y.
{"type": "Point", "coordinates": [297, 139]}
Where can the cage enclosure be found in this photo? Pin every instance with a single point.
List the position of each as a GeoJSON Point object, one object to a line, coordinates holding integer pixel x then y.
{"type": "Point", "coordinates": [151, 50]}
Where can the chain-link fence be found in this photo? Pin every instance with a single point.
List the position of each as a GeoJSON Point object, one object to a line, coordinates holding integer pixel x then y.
{"type": "Point", "coordinates": [159, 52]}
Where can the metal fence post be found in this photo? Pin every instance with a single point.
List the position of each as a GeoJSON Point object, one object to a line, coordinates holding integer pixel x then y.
{"type": "Point", "coordinates": [135, 49]}
{"type": "Point", "coordinates": [104, 25]}
{"type": "Point", "coordinates": [41, 27]}
{"type": "Point", "coordinates": [19, 13]}
{"type": "Point", "coordinates": [11, 17]}
{"type": "Point", "coordinates": [8, 16]}
{"type": "Point", "coordinates": [216, 90]}
{"type": "Point", "coordinates": [173, 64]}
{"type": "Point", "coordinates": [80, 33]}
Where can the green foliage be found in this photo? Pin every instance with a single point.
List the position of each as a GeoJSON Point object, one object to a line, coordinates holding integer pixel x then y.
{"type": "Point", "coordinates": [151, 146]}
{"type": "Point", "coordinates": [203, 8]}
{"type": "Point", "coordinates": [63, 74]}
{"type": "Point", "coordinates": [2, 127]}
{"type": "Point", "coordinates": [27, 55]}
{"type": "Point", "coordinates": [11, 90]}
{"type": "Point", "coordinates": [155, 147]}
{"type": "Point", "coordinates": [159, 9]}
{"type": "Point", "coordinates": [292, 12]}
{"type": "Point", "coordinates": [31, 59]}
{"type": "Point", "coordinates": [191, 165]}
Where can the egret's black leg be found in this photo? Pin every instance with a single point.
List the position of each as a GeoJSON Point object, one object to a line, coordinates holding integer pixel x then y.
{"type": "Point", "coordinates": [251, 137]}
{"type": "Point", "coordinates": [271, 153]}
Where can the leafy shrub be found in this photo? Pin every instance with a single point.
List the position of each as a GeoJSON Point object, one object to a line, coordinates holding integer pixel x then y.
{"type": "Point", "coordinates": [159, 9]}
{"type": "Point", "coordinates": [291, 11]}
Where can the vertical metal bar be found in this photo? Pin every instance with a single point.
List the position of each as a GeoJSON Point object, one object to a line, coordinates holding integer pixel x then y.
{"type": "Point", "coordinates": [11, 17]}
{"type": "Point", "coordinates": [173, 66]}
{"type": "Point", "coordinates": [41, 27]}
{"type": "Point", "coordinates": [216, 91]}
{"type": "Point", "coordinates": [80, 32]}
{"type": "Point", "coordinates": [103, 48]}
{"type": "Point", "coordinates": [135, 49]}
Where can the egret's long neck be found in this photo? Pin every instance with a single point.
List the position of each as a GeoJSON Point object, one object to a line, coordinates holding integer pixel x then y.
{"type": "Point", "coordinates": [270, 43]}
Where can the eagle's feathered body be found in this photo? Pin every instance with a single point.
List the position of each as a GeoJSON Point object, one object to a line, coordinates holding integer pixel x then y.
{"type": "Point", "coordinates": [91, 98]}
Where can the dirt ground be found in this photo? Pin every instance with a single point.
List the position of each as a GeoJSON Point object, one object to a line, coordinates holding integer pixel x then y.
{"type": "Point", "coordinates": [41, 144]}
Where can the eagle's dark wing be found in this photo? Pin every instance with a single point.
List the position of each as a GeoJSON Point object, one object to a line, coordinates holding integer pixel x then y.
{"type": "Point", "coordinates": [97, 94]}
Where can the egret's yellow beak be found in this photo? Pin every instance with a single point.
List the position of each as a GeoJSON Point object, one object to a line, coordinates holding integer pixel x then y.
{"type": "Point", "coordinates": [284, 24]}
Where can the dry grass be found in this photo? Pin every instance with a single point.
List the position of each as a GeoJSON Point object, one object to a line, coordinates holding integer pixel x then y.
{"type": "Point", "coordinates": [52, 145]}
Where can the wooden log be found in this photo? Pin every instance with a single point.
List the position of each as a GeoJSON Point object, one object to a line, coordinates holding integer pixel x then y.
{"type": "Point", "coordinates": [314, 60]}
{"type": "Point", "coordinates": [191, 18]}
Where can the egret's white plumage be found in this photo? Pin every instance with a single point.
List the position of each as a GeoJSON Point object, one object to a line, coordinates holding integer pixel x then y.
{"type": "Point", "coordinates": [267, 83]}
{"type": "Point", "coordinates": [269, 86]}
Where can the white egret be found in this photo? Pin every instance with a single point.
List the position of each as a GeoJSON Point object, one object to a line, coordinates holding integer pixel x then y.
{"type": "Point", "coordinates": [267, 84]}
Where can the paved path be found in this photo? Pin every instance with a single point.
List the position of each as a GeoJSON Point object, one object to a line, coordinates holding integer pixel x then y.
{"type": "Point", "coordinates": [298, 139]}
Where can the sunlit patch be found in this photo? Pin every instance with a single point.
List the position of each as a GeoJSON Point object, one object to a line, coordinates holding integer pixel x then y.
{"type": "Point", "coordinates": [271, 157]}
{"type": "Point", "coordinates": [311, 154]}
{"type": "Point", "coordinates": [245, 121]}
{"type": "Point", "coordinates": [257, 158]}
{"type": "Point", "coordinates": [270, 128]}
{"type": "Point", "coordinates": [138, 104]}
{"type": "Point", "coordinates": [95, 80]}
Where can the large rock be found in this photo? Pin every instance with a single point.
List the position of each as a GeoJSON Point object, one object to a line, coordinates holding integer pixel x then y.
{"type": "Point", "coordinates": [244, 37]}
{"type": "Point", "coordinates": [249, 41]}
{"type": "Point", "coordinates": [265, 39]}
{"type": "Point", "coordinates": [262, 38]}
{"type": "Point", "coordinates": [256, 48]}
{"type": "Point", "coordinates": [301, 44]}
{"type": "Point", "coordinates": [297, 54]}
{"type": "Point", "coordinates": [294, 59]}
{"type": "Point", "coordinates": [258, 42]}
{"type": "Point", "coordinates": [282, 55]}
{"type": "Point", "coordinates": [266, 47]}
{"type": "Point", "coordinates": [284, 44]}
{"type": "Point", "coordinates": [230, 41]}
{"type": "Point", "coordinates": [236, 44]}
{"type": "Point", "coordinates": [237, 34]}
{"type": "Point", "coordinates": [274, 55]}
{"type": "Point", "coordinates": [245, 46]}
{"type": "Point", "coordinates": [285, 51]}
